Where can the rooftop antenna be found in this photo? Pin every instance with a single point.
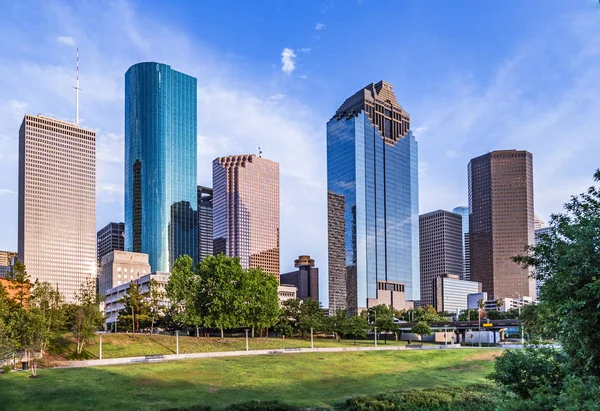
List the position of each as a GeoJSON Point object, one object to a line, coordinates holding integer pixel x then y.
{"type": "Point", "coordinates": [77, 91]}
{"type": "Point", "coordinates": [259, 151]}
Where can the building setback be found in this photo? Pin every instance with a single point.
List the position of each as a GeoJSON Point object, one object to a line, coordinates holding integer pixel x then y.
{"type": "Point", "coordinates": [372, 179]}
{"type": "Point", "coordinates": [57, 203]}
{"type": "Point", "coordinates": [109, 238]}
{"type": "Point", "coordinates": [205, 222]}
{"type": "Point", "coordinates": [501, 221]}
{"type": "Point", "coordinates": [440, 244]}
{"type": "Point", "coordinates": [305, 279]}
{"type": "Point", "coordinates": [161, 196]}
{"type": "Point", "coordinates": [246, 211]}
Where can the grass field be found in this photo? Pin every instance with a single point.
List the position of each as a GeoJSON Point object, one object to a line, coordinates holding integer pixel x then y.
{"type": "Point", "coordinates": [311, 380]}
{"type": "Point", "coordinates": [123, 345]}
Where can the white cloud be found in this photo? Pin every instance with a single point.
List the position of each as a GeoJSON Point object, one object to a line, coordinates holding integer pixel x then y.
{"type": "Point", "coordinates": [66, 40]}
{"type": "Point", "coordinates": [304, 50]}
{"type": "Point", "coordinates": [320, 27]}
{"type": "Point", "coordinates": [452, 154]}
{"type": "Point", "coordinates": [276, 98]}
{"type": "Point", "coordinates": [288, 60]}
{"type": "Point", "coordinates": [7, 192]}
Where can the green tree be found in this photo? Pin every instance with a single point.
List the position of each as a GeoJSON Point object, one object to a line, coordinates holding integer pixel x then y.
{"type": "Point", "coordinates": [87, 318]}
{"type": "Point", "coordinates": [156, 297]}
{"type": "Point", "coordinates": [338, 323]}
{"type": "Point", "coordinates": [568, 262]}
{"type": "Point", "coordinates": [291, 313]}
{"type": "Point", "coordinates": [19, 283]}
{"type": "Point", "coordinates": [182, 291]}
{"type": "Point", "coordinates": [421, 329]}
{"type": "Point", "coordinates": [261, 299]}
{"type": "Point", "coordinates": [428, 314]}
{"type": "Point", "coordinates": [384, 320]}
{"type": "Point", "coordinates": [311, 316]}
{"type": "Point", "coordinates": [220, 298]}
{"type": "Point", "coordinates": [135, 312]}
{"type": "Point", "coordinates": [357, 327]}
{"type": "Point", "coordinates": [49, 302]}
{"type": "Point", "coordinates": [283, 326]}
{"type": "Point", "coordinates": [27, 332]}
{"type": "Point", "coordinates": [6, 343]}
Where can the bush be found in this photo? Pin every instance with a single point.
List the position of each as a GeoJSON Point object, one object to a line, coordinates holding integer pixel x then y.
{"type": "Point", "coordinates": [262, 406]}
{"type": "Point", "coordinates": [6, 369]}
{"type": "Point", "coordinates": [527, 371]}
{"type": "Point", "coordinates": [192, 408]}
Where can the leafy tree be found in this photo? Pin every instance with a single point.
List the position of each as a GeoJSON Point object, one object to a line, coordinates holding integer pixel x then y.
{"type": "Point", "coordinates": [311, 316]}
{"type": "Point", "coordinates": [220, 298]}
{"type": "Point", "coordinates": [283, 325]}
{"type": "Point", "coordinates": [261, 299]}
{"type": "Point", "coordinates": [135, 312]}
{"type": "Point", "coordinates": [357, 327]}
{"type": "Point", "coordinates": [538, 321]}
{"type": "Point", "coordinates": [338, 323]}
{"type": "Point", "coordinates": [182, 291]}
{"type": "Point", "coordinates": [6, 343]}
{"type": "Point", "coordinates": [27, 332]}
{"type": "Point", "coordinates": [49, 302]}
{"type": "Point", "coordinates": [291, 313]}
{"type": "Point", "coordinates": [156, 297]}
{"type": "Point", "coordinates": [428, 314]}
{"type": "Point", "coordinates": [421, 329]}
{"type": "Point", "coordinates": [568, 261]}
{"type": "Point", "coordinates": [384, 320]}
{"type": "Point", "coordinates": [468, 315]}
{"type": "Point", "coordinates": [87, 318]}
{"type": "Point", "coordinates": [19, 282]}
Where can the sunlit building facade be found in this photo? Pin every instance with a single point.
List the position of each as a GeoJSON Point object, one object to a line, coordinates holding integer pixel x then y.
{"type": "Point", "coordinates": [372, 183]}
{"type": "Point", "coordinates": [57, 203]}
{"type": "Point", "coordinates": [205, 222]}
{"type": "Point", "coordinates": [246, 211]}
{"type": "Point", "coordinates": [160, 164]}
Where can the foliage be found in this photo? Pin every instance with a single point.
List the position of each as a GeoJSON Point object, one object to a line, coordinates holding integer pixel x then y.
{"type": "Point", "coordinates": [567, 261]}
{"type": "Point", "coordinates": [526, 371]}
{"type": "Point", "coordinates": [86, 316]}
{"type": "Point", "coordinates": [135, 313]}
{"type": "Point", "coordinates": [261, 299]}
{"type": "Point", "coordinates": [26, 331]}
{"type": "Point", "coordinates": [311, 316]}
{"type": "Point", "coordinates": [421, 329]}
{"type": "Point", "coordinates": [357, 327]}
{"type": "Point", "coordinates": [49, 302]}
{"type": "Point", "coordinates": [155, 299]}
{"type": "Point", "coordinates": [19, 283]}
{"type": "Point", "coordinates": [182, 291]}
{"type": "Point", "coordinates": [428, 314]}
{"type": "Point", "coordinates": [338, 323]}
{"type": "Point", "coordinates": [290, 314]}
{"type": "Point", "coordinates": [262, 406]}
{"type": "Point", "coordinates": [382, 317]}
{"type": "Point", "coordinates": [538, 322]}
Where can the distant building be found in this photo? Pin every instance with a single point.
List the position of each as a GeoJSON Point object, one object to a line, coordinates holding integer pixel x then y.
{"type": "Point", "coordinates": [286, 292]}
{"type": "Point", "coordinates": [372, 199]}
{"type": "Point", "coordinates": [501, 221]}
{"type": "Point", "coordinates": [464, 212]}
{"type": "Point", "coordinates": [205, 222]}
{"type": "Point", "coordinates": [6, 262]}
{"type": "Point", "coordinates": [391, 293]}
{"type": "Point", "coordinates": [113, 296]}
{"type": "Point", "coordinates": [109, 238]}
{"type": "Point", "coordinates": [57, 203]}
{"type": "Point", "coordinates": [538, 223]}
{"type": "Point", "coordinates": [441, 253]}
{"type": "Point", "coordinates": [246, 211]}
{"type": "Point", "coordinates": [305, 279]}
{"type": "Point", "coordinates": [450, 293]}
{"type": "Point", "coordinates": [509, 304]}
{"type": "Point", "coordinates": [538, 233]}
{"type": "Point", "coordinates": [161, 198]}
{"type": "Point", "coordinates": [121, 267]}
{"type": "Point", "coordinates": [474, 298]}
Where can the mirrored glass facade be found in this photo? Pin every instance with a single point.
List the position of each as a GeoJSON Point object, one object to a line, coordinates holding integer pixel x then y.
{"type": "Point", "coordinates": [160, 164]}
{"type": "Point", "coordinates": [464, 212]}
{"type": "Point", "coordinates": [372, 170]}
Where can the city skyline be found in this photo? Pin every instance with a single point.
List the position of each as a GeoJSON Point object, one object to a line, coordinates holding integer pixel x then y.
{"type": "Point", "coordinates": [233, 98]}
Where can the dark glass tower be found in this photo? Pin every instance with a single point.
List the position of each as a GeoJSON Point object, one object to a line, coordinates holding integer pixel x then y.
{"type": "Point", "coordinates": [464, 212]}
{"type": "Point", "coordinates": [373, 213]}
{"type": "Point", "coordinates": [160, 164]}
{"type": "Point", "coordinates": [109, 238]}
{"type": "Point", "coordinates": [205, 222]}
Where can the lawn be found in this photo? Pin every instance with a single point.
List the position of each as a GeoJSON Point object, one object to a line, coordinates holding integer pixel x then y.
{"type": "Point", "coordinates": [315, 379]}
{"type": "Point", "coordinates": [123, 345]}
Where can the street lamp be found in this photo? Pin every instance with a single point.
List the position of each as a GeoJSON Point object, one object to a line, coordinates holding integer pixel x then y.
{"type": "Point", "coordinates": [245, 329]}
{"type": "Point", "coordinates": [375, 329]}
{"type": "Point", "coordinates": [311, 339]}
{"type": "Point", "coordinates": [521, 321]}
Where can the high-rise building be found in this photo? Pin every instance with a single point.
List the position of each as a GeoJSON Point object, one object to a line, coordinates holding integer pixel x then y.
{"type": "Point", "coordinates": [464, 212]}
{"type": "Point", "coordinates": [121, 267]}
{"type": "Point", "coordinates": [440, 244]}
{"type": "Point", "coordinates": [109, 238]}
{"type": "Point", "coordinates": [501, 221]}
{"type": "Point", "coordinates": [6, 261]}
{"type": "Point", "coordinates": [305, 279]}
{"type": "Point", "coordinates": [57, 202]}
{"type": "Point", "coordinates": [372, 183]}
{"type": "Point", "coordinates": [451, 294]}
{"type": "Point", "coordinates": [205, 222]}
{"type": "Point", "coordinates": [246, 210]}
{"type": "Point", "coordinates": [160, 164]}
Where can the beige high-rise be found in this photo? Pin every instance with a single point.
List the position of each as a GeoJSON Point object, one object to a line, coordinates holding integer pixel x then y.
{"type": "Point", "coordinates": [57, 202]}
{"type": "Point", "coordinates": [246, 210]}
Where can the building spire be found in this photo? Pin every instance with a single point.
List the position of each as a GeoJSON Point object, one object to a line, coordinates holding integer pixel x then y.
{"type": "Point", "coordinates": [77, 90]}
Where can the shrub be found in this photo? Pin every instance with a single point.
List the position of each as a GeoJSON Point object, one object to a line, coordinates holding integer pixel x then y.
{"type": "Point", "coordinates": [262, 406]}
{"type": "Point", "coordinates": [192, 408]}
{"type": "Point", "coordinates": [6, 369]}
{"type": "Point", "coordinates": [527, 371]}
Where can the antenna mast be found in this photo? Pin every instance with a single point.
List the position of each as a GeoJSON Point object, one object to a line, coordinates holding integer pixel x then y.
{"type": "Point", "coordinates": [77, 91]}
{"type": "Point", "coordinates": [259, 151]}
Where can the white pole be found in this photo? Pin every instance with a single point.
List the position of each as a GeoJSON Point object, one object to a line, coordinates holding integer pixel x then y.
{"type": "Point", "coordinates": [246, 338]}
{"type": "Point", "coordinates": [100, 346]}
{"type": "Point", "coordinates": [177, 341]}
{"type": "Point", "coordinates": [312, 345]}
{"type": "Point", "coordinates": [375, 328]}
{"type": "Point", "coordinates": [446, 335]}
{"type": "Point", "coordinates": [77, 91]}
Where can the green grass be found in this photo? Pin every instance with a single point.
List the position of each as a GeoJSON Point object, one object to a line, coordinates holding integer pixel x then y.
{"type": "Point", "coordinates": [310, 380]}
{"type": "Point", "coordinates": [123, 345]}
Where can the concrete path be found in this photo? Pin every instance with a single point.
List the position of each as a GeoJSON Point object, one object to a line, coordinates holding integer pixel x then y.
{"type": "Point", "coordinates": [171, 357]}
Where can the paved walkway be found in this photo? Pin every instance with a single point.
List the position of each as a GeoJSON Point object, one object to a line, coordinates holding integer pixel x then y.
{"type": "Point", "coordinates": [171, 357]}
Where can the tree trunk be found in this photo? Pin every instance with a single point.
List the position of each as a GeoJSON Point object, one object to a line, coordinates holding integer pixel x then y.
{"type": "Point", "coordinates": [222, 336]}
{"type": "Point", "coordinates": [385, 337]}
{"type": "Point", "coordinates": [267, 332]}
{"type": "Point", "coordinates": [152, 327]}
{"type": "Point", "coordinates": [197, 331]}
{"type": "Point", "coordinates": [252, 331]}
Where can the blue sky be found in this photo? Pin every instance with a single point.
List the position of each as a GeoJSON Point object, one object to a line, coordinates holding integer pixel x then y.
{"type": "Point", "coordinates": [474, 76]}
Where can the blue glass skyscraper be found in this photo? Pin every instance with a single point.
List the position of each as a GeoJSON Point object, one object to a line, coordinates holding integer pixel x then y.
{"type": "Point", "coordinates": [464, 212]}
{"type": "Point", "coordinates": [160, 164]}
{"type": "Point", "coordinates": [373, 210]}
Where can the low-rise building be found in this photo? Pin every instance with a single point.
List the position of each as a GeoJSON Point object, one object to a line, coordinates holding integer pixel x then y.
{"type": "Point", "coordinates": [474, 298]}
{"type": "Point", "coordinates": [305, 279]}
{"type": "Point", "coordinates": [6, 262]}
{"type": "Point", "coordinates": [508, 304]}
{"type": "Point", "coordinates": [450, 293]}
{"type": "Point", "coordinates": [286, 292]}
{"type": "Point", "coordinates": [390, 293]}
{"type": "Point", "coordinates": [121, 267]}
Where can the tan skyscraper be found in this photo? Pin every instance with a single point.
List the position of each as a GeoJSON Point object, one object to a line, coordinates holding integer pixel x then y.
{"type": "Point", "coordinates": [246, 210]}
{"type": "Point", "coordinates": [57, 202]}
{"type": "Point", "coordinates": [501, 221]}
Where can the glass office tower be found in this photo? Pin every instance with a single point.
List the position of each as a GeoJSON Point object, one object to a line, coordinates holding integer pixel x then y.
{"type": "Point", "coordinates": [373, 213]}
{"type": "Point", "coordinates": [160, 164]}
{"type": "Point", "coordinates": [464, 212]}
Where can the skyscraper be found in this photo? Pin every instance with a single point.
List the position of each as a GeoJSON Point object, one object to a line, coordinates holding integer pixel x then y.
{"type": "Point", "coordinates": [109, 238]}
{"type": "Point", "coordinates": [464, 212]}
{"type": "Point", "coordinates": [305, 279]}
{"type": "Point", "coordinates": [501, 221]}
{"type": "Point", "coordinates": [160, 164]}
{"type": "Point", "coordinates": [205, 222]}
{"type": "Point", "coordinates": [440, 244]}
{"type": "Point", "coordinates": [372, 183]}
{"type": "Point", "coordinates": [246, 210]}
{"type": "Point", "coordinates": [57, 202]}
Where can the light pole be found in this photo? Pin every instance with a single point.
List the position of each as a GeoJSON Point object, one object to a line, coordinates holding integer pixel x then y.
{"type": "Point", "coordinates": [446, 335]}
{"type": "Point", "coordinates": [100, 346]}
{"type": "Point", "coordinates": [375, 329]}
{"type": "Point", "coordinates": [177, 342]}
{"type": "Point", "coordinates": [311, 339]}
{"type": "Point", "coordinates": [245, 329]}
{"type": "Point", "coordinates": [520, 321]}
